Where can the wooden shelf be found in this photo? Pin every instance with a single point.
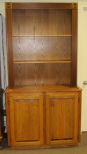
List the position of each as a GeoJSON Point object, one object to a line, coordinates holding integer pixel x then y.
{"type": "Point", "coordinates": [40, 61]}
{"type": "Point", "coordinates": [59, 35]}
{"type": "Point", "coordinates": [44, 88]}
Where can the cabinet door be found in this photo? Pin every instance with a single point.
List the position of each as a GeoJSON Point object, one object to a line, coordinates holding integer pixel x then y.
{"type": "Point", "coordinates": [25, 119]}
{"type": "Point", "coordinates": [62, 118]}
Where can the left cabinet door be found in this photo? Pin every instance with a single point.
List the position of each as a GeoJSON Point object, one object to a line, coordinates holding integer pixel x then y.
{"type": "Point", "coordinates": [25, 119]}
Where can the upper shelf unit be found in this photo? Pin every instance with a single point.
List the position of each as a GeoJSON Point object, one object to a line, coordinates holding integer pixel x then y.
{"type": "Point", "coordinates": [42, 43]}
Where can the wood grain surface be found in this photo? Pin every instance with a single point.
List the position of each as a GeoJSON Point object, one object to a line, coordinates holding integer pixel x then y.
{"type": "Point", "coordinates": [42, 74]}
{"type": "Point", "coordinates": [42, 48]}
{"type": "Point", "coordinates": [41, 22]}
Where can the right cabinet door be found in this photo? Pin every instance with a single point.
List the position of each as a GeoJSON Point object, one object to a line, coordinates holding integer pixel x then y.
{"type": "Point", "coordinates": [62, 118]}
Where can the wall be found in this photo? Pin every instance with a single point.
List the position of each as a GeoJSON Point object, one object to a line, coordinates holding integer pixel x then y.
{"type": "Point", "coordinates": [82, 53]}
{"type": "Point", "coordinates": [82, 58]}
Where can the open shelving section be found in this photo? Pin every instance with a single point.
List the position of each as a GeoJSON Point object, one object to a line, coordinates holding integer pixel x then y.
{"type": "Point", "coordinates": [42, 41]}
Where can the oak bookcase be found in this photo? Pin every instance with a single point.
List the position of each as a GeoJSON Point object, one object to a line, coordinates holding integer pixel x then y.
{"type": "Point", "coordinates": [43, 101]}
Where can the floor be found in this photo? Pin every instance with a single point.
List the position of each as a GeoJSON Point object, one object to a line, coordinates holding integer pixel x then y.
{"type": "Point", "coordinates": [80, 149]}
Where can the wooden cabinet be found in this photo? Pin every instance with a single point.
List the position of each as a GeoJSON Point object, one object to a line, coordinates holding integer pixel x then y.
{"type": "Point", "coordinates": [26, 119]}
{"type": "Point", "coordinates": [62, 118]}
{"type": "Point", "coordinates": [43, 105]}
{"type": "Point", "coordinates": [43, 119]}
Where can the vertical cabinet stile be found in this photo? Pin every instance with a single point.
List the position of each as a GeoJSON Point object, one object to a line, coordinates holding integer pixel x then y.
{"type": "Point", "coordinates": [9, 44]}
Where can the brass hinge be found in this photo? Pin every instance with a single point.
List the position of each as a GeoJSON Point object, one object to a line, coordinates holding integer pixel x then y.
{"type": "Point", "coordinates": [74, 5]}
{"type": "Point", "coordinates": [8, 5]}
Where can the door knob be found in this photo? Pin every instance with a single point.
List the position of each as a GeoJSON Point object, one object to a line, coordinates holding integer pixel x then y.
{"type": "Point", "coordinates": [85, 82]}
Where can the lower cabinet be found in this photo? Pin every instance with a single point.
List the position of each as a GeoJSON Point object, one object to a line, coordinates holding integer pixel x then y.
{"type": "Point", "coordinates": [43, 119]}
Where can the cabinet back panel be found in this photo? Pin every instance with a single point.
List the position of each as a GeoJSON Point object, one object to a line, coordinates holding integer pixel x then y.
{"type": "Point", "coordinates": [42, 48]}
{"type": "Point", "coordinates": [41, 22]}
{"type": "Point", "coordinates": [42, 74]}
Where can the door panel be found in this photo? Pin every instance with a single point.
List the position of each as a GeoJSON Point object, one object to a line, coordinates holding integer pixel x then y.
{"type": "Point", "coordinates": [62, 118]}
{"type": "Point", "coordinates": [26, 117]}
{"type": "Point", "coordinates": [26, 120]}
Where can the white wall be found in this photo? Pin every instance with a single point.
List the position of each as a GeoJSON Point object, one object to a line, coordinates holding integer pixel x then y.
{"type": "Point", "coordinates": [2, 10]}
{"type": "Point", "coordinates": [82, 58]}
{"type": "Point", "coordinates": [82, 48]}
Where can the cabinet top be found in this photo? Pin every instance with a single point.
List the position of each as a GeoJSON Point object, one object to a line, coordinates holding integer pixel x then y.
{"type": "Point", "coordinates": [10, 5]}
